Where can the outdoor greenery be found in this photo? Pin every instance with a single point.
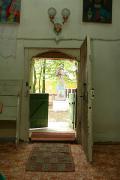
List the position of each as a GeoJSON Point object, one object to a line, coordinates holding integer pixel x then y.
{"type": "Point", "coordinates": [44, 75]}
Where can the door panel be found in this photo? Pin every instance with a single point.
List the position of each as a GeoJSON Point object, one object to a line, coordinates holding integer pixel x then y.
{"type": "Point", "coordinates": [38, 110]}
{"type": "Point", "coordinates": [84, 101]}
{"type": "Point", "coordinates": [72, 110]}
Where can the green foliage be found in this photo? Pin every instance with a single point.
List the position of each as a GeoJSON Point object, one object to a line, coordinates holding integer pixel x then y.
{"type": "Point", "coordinates": [45, 74]}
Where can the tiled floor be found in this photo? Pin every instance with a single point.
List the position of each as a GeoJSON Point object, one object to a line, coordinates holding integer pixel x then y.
{"type": "Point", "coordinates": [105, 166]}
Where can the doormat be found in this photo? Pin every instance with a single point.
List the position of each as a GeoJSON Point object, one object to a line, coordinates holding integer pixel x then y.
{"type": "Point", "coordinates": [51, 157]}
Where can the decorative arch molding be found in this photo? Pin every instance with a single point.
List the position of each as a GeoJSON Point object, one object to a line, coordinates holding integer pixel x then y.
{"type": "Point", "coordinates": [66, 53]}
{"type": "Point", "coordinates": [55, 54]}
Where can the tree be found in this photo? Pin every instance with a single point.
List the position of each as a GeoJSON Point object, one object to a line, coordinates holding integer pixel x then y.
{"type": "Point", "coordinates": [45, 70]}
{"type": "Point", "coordinates": [43, 84]}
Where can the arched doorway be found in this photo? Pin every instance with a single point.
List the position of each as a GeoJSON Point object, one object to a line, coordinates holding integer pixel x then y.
{"type": "Point", "coordinates": [53, 74]}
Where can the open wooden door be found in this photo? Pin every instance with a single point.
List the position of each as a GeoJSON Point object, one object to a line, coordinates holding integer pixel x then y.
{"type": "Point", "coordinates": [84, 100]}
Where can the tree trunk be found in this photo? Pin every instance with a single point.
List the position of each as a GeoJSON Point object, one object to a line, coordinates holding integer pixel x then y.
{"type": "Point", "coordinates": [44, 66]}
{"type": "Point", "coordinates": [34, 83]}
{"type": "Point", "coordinates": [40, 80]}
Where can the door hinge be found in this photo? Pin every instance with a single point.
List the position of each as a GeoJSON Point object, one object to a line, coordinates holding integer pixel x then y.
{"type": "Point", "coordinates": [92, 93]}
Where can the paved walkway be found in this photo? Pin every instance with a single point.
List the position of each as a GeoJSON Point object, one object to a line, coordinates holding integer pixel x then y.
{"type": "Point", "coordinates": [57, 121]}
{"type": "Point", "coordinates": [58, 116]}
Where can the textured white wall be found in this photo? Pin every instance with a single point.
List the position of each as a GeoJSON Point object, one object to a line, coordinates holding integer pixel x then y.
{"type": "Point", "coordinates": [35, 25]}
{"type": "Point", "coordinates": [35, 22]}
{"type": "Point", "coordinates": [106, 72]}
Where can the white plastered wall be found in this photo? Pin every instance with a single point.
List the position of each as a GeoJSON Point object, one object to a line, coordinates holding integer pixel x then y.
{"type": "Point", "coordinates": [36, 31]}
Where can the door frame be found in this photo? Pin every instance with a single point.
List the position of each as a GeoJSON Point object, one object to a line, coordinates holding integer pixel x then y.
{"type": "Point", "coordinates": [29, 53]}
{"type": "Point", "coordinates": [28, 49]}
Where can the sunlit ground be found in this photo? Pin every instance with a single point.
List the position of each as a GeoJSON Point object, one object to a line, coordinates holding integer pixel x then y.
{"type": "Point", "coordinates": [58, 118]}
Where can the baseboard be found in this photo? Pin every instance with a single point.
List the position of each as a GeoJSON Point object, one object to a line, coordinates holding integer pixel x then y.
{"type": "Point", "coordinates": [107, 143]}
{"type": "Point", "coordinates": [106, 138]}
{"type": "Point", "coordinates": [7, 139]}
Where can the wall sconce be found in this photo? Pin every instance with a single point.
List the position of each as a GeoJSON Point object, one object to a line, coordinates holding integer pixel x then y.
{"type": "Point", "coordinates": [58, 22]}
